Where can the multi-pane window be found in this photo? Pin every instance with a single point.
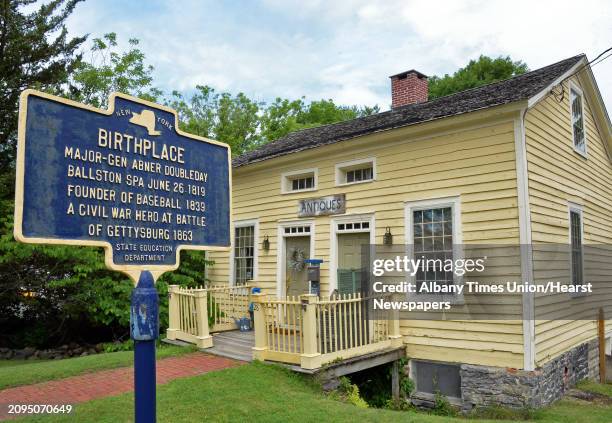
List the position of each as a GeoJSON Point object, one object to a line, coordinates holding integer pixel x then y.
{"type": "Point", "coordinates": [577, 121]}
{"type": "Point", "coordinates": [353, 226]}
{"type": "Point", "coordinates": [356, 171]}
{"type": "Point", "coordinates": [433, 240]}
{"type": "Point", "coordinates": [299, 180]}
{"type": "Point", "coordinates": [244, 254]}
{"type": "Point", "coordinates": [297, 230]}
{"type": "Point", "coordinates": [301, 183]}
{"type": "Point", "coordinates": [359, 175]}
{"type": "Point", "coordinates": [576, 246]}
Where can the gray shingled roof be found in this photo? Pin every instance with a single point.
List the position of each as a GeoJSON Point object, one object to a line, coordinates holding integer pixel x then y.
{"type": "Point", "coordinates": [495, 94]}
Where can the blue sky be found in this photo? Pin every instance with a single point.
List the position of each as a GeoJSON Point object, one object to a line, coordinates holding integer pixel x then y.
{"type": "Point", "coordinates": [343, 50]}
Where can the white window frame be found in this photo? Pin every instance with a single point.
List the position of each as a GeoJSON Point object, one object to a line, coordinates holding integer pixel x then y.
{"type": "Point", "coordinates": [342, 168]}
{"type": "Point", "coordinates": [576, 208]}
{"type": "Point", "coordinates": [455, 203]}
{"type": "Point", "coordinates": [333, 245]}
{"type": "Point", "coordinates": [281, 247]}
{"type": "Point", "coordinates": [578, 91]}
{"type": "Point", "coordinates": [287, 177]}
{"type": "Point", "coordinates": [242, 224]}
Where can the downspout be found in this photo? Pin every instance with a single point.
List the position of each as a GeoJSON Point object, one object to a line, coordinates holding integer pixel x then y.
{"type": "Point", "coordinates": [525, 239]}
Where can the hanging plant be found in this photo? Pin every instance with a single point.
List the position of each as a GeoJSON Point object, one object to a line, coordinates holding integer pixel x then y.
{"type": "Point", "coordinates": [296, 259]}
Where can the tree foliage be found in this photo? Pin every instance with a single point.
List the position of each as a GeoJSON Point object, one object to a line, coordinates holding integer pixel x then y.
{"type": "Point", "coordinates": [284, 116]}
{"type": "Point", "coordinates": [221, 116]}
{"type": "Point", "coordinates": [35, 52]}
{"type": "Point", "coordinates": [108, 70]}
{"type": "Point", "coordinates": [477, 73]}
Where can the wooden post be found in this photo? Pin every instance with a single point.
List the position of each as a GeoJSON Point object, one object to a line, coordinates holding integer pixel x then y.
{"type": "Point", "coordinates": [173, 312]}
{"type": "Point", "coordinates": [601, 334]}
{"type": "Point", "coordinates": [309, 354]}
{"type": "Point", "coordinates": [394, 324]}
{"type": "Point", "coordinates": [204, 340]}
{"type": "Point", "coordinates": [259, 317]}
{"type": "Point", "coordinates": [395, 388]}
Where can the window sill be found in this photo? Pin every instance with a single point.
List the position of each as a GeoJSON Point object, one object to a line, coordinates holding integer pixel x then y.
{"type": "Point", "coordinates": [344, 184]}
{"type": "Point", "coordinates": [298, 191]}
{"type": "Point", "coordinates": [576, 295]}
{"type": "Point", "coordinates": [581, 153]}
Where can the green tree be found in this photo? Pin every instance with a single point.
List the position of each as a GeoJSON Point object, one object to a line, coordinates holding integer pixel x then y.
{"type": "Point", "coordinates": [284, 116]}
{"type": "Point", "coordinates": [108, 70]}
{"type": "Point", "coordinates": [35, 52]}
{"type": "Point", "coordinates": [246, 124]}
{"type": "Point", "coordinates": [477, 73]}
{"type": "Point", "coordinates": [221, 116]}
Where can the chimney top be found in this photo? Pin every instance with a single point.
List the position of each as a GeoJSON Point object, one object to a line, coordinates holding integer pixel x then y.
{"type": "Point", "coordinates": [404, 74]}
{"type": "Point", "coordinates": [408, 87]}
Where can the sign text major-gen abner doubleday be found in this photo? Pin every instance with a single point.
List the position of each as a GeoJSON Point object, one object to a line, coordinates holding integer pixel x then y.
{"type": "Point", "coordinates": [125, 179]}
{"type": "Point", "coordinates": [331, 204]}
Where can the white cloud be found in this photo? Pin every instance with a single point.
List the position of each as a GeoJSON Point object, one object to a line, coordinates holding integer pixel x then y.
{"type": "Point", "coordinates": [345, 50]}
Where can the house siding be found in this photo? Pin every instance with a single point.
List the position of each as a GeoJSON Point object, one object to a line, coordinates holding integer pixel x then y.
{"type": "Point", "coordinates": [473, 160]}
{"type": "Point", "coordinates": [558, 175]}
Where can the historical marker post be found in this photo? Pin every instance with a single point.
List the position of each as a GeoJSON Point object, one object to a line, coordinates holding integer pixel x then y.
{"type": "Point", "coordinates": [126, 179]}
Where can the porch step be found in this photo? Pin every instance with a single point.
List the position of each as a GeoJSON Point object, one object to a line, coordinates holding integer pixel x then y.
{"type": "Point", "coordinates": [233, 344]}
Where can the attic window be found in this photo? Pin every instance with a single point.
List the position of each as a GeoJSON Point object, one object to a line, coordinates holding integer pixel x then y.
{"type": "Point", "coordinates": [298, 181]}
{"type": "Point", "coordinates": [356, 171]}
{"type": "Point", "coordinates": [577, 116]}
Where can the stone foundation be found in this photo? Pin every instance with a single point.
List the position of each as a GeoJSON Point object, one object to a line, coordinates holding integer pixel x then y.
{"type": "Point", "coordinates": [483, 386]}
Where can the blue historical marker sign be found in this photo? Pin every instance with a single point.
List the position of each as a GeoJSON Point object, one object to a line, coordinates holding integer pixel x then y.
{"type": "Point", "coordinates": [124, 178]}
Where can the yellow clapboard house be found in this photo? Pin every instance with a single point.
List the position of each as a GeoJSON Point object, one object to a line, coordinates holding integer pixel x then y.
{"type": "Point", "coordinates": [522, 161]}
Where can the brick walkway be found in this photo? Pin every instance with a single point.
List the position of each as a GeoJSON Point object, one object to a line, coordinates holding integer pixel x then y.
{"type": "Point", "coordinates": [106, 383]}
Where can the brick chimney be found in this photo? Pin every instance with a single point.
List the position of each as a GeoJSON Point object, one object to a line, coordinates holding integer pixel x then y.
{"type": "Point", "coordinates": [408, 87]}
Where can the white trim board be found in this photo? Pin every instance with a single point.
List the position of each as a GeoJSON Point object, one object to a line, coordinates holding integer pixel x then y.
{"type": "Point", "coordinates": [522, 185]}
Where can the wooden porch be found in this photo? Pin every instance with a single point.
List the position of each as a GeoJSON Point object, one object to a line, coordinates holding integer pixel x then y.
{"type": "Point", "coordinates": [305, 332]}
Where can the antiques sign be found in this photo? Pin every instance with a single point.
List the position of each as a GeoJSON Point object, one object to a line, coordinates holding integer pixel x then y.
{"type": "Point", "coordinates": [124, 178]}
{"type": "Point", "coordinates": [331, 204]}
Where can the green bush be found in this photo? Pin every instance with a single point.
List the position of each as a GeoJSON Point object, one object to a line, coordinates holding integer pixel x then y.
{"type": "Point", "coordinates": [442, 407]}
{"type": "Point", "coordinates": [350, 393]}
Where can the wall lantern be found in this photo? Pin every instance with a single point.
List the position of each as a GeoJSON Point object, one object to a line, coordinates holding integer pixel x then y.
{"type": "Point", "coordinates": [388, 238]}
{"type": "Point", "coordinates": [266, 244]}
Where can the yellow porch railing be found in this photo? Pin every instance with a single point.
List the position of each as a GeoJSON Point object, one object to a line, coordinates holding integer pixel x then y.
{"type": "Point", "coordinates": [310, 332]}
{"type": "Point", "coordinates": [196, 312]}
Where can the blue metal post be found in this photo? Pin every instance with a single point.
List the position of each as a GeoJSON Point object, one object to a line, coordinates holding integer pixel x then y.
{"type": "Point", "coordinates": [144, 325]}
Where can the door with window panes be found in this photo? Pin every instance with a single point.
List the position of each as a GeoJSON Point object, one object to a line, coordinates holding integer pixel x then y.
{"type": "Point", "coordinates": [350, 261]}
{"type": "Point", "coordinates": [297, 249]}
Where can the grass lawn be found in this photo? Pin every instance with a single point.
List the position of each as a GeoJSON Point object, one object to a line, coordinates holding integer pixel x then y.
{"type": "Point", "coordinates": [25, 372]}
{"type": "Point", "coordinates": [263, 393]}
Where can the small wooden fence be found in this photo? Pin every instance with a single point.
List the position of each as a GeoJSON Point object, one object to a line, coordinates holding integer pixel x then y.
{"type": "Point", "coordinates": [196, 312]}
{"type": "Point", "coordinates": [310, 332]}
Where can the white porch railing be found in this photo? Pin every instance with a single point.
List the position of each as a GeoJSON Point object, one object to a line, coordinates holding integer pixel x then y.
{"type": "Point", "coordinates": [196, 312]}
{"type": "Point", "coordinates": [311, 332]}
